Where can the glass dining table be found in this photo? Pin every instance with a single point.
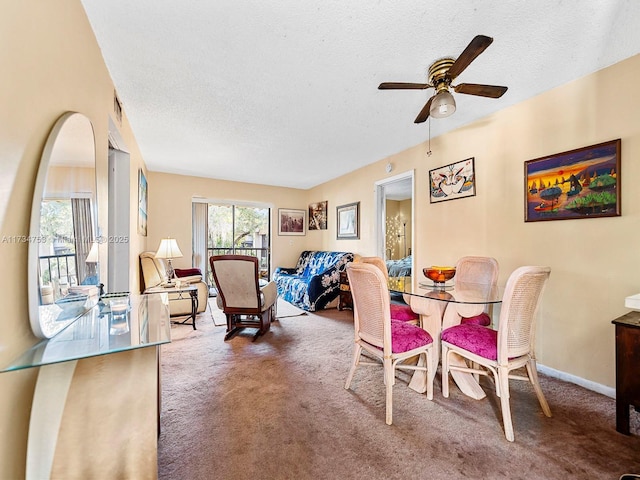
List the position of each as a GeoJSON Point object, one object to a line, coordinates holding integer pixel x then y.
{"type": "Point", "coordinates": [441, 306]}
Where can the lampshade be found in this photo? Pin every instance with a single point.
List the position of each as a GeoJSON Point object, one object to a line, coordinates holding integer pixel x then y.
{"type": "Point", "coordinates": [442, 105]}
{"type": "Point", "coordinates": [92, 257]}
{"type": "Point", "coordinates": [168, 249]}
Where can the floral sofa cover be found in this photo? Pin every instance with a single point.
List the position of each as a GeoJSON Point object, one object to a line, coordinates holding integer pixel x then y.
{"type": "Point", "coordinates": [315, 280]}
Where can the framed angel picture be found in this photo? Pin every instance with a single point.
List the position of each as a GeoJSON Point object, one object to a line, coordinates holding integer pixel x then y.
{"type": "Point", "coordinates": [456, 180]}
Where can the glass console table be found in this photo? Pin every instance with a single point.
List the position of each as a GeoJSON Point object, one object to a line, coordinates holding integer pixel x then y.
{"type": "Point", "coordinates": [98, 332]}
{"type": "Point", "coordinates": [104, 329]}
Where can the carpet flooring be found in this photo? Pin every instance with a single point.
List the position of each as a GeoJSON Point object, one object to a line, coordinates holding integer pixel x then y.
{"type": "Point", "coordinates": [276, 408]}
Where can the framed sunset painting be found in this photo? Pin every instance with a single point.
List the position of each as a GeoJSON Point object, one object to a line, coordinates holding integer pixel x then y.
{"type": "Point", "coordinates": [581, 183]}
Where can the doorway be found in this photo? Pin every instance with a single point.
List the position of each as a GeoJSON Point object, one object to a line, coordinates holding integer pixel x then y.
{"type": "Point", "coordinates": [394, 222]}
{"type": "Point", "coordinates": [118, 267]}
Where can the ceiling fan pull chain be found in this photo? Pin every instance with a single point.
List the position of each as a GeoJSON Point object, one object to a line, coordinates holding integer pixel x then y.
{"type": "Point", "coordinates": [429, 147]}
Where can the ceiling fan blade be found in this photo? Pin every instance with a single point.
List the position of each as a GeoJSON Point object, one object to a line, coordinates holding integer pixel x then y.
{"type": "Point", "coordinates": [424, 113]}
{"type": "Point", "coordinates": [491, 91]}
{"type": "Point", "coordinates": [403, 86]}
{"type": "Point", "coordinates": [475, 48]}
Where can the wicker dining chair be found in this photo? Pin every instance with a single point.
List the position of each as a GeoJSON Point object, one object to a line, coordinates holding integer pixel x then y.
{"type": "Point", "coordinates": [401, 312]}
{"type": "Point", "coordinates": [511, 346]}
{"type": "Point", "coordinates": [389, 341]}
{"type": "Point", "coordinates": [474, 269]}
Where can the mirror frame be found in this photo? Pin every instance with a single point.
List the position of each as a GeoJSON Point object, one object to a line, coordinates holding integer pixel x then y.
{"type": "Point", "coordinates": [33, 277]}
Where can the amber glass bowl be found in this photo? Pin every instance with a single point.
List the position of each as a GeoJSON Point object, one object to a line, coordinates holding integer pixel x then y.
{"type": "Point", "coordinates": [439, 274]}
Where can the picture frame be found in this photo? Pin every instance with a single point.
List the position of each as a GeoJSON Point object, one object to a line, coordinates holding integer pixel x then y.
{"type": "Point", "coordinates": [292, 221]}
{"type": "Point", "coordinates": [580, 183]}
{"type": "Point", "coordinates": [318, 215]}
{"type": "Point", "coordinates": [143, 196]}
{"type": "Point", "coordinates": [453, 181]}
{"type": "Point", "coordinates": [348, 221]}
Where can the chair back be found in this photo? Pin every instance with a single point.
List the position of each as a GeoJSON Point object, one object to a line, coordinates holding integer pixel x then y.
{"type": "Point", "coordinates": [153, 269]}
{"type": "Point", "coordinates": [371, 305]}
{"type": "Point", "coordinates": [522, 295]}
{"type": "Point", "coordinates": [236, 278]}
{"type": "Point", "coordinates": [473, 269]}
{"type": "Point", "coordinates": [378, 262]}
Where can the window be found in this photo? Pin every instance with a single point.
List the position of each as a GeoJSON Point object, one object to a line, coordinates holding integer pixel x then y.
{"type": "Point", "coordinates": [57, 255]}
{"type": "Point", "coordinates": [239, 230]}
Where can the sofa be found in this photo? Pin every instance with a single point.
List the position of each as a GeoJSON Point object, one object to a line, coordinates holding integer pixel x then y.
{"type": "Point", "coordinates": [154, 274]}
{"type": "Point", "coordinates": [315, 280]}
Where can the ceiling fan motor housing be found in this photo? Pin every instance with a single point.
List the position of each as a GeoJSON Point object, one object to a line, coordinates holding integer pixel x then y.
{"type": "Point", "coordinates": [438, 73]}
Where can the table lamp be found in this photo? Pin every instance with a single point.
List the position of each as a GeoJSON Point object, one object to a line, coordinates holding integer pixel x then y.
{"type": "Point", "coordinates": [168, 250]}
{"type": "Point", "coordinates": [92, 257]}
{"type": "Point", "coordinates": [91, 270]}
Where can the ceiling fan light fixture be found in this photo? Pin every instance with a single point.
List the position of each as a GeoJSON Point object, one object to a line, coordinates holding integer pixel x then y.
{"type": "Point", "coordinates": [442, 105]}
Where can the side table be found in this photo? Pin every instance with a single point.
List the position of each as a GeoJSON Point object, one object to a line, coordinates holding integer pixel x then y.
{"type": "Point", "coordinates": [181, 294]}
{"type": "Point", "coordinates": [346, 300]}
{"type": "Point", "coordinates": [627, 361]}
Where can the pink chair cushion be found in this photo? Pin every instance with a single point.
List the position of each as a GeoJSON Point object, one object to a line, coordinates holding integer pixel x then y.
{"type": "Point", "coordinates": [405, 337]}
{"type": "Point", "coordinates": [476, 339]}
{"type": "Point", "coordinates": [403, 313]}
{"type": "Point", "coordinates": [483, 319]}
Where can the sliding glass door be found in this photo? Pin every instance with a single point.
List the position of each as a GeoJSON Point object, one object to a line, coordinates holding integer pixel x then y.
{"type": "Point", "coordinates": [239, 230]}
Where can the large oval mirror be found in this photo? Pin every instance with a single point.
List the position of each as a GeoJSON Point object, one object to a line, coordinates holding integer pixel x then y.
{"type": "Point", "coordinates": [63, 241]}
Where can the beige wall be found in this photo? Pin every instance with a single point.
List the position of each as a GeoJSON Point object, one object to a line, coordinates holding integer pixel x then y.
{"type": "Point", "coordinates": [52, 64]}
{"type": "Point", "coordinates": [593, 261]}
{"type": "Point", "coordinates": [170, 213]}
{"type": "Point", "coordinates": [70, 180]}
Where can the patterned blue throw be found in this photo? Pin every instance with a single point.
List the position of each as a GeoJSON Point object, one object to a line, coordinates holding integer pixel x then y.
{"type": "Point", "coordinates": [315, 280]}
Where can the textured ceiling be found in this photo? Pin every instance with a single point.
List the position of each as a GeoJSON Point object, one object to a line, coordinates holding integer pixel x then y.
{"type": "Point", "coordinates": [285, 92]}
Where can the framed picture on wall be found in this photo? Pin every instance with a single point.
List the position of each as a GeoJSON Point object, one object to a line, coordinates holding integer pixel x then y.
{"type": "Point", "coordinates": [142, 203]}
{"type": "Point", "coordinates": [456, 180]}
{"type": "Point", "coordinates": [291, 221]}
{"type": "Point", "coordinates": [348, 221]}
{"type": "Point", "coordinates": [581, 183]}
{"type": "Point", "coordinates": [318, 216]}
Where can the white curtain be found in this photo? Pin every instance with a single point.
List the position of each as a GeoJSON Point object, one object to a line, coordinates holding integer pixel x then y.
{"type": "Point", "coordinates": [199, 236]}
{"type": "Point", "coordinates": [83, 232]}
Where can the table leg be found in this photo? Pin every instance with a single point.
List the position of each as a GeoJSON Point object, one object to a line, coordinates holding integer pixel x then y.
{"type": "Point", "coordinates": [49, 399]}
{"type": "Point", "coordinates": [194, 307]}
{"type": "Point", "coordinates": [434, 317]}
{"type": "Point", "coordinates": [430, 319]}
{"type": "Point", "coordinates": [622, 416]}
{"type": "Point", "coordinates": [465, 381]}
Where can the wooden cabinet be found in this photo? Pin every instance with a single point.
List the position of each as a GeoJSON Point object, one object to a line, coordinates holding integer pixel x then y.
{"type": "Point", "coordinates": [627, 367]}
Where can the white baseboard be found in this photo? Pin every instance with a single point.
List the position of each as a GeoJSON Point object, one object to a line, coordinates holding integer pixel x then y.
{"type": "Point", "coordinates": [589, 385]}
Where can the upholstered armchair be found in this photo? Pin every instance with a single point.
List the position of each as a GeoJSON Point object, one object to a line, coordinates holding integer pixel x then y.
{"type": "Point", "coordinates": [154, 274]}
{"type": "Point", "coordinates": [245, 303]}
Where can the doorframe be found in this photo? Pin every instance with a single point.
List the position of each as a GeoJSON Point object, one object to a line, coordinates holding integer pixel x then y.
{"type": "Point", "coordinates": [381, 210]}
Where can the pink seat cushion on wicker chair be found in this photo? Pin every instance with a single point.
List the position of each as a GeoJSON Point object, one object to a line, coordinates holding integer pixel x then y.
{"type": "Point", "coordinates": [403, 313]}
{"type": "Point", "coordinates": [476, 339]}
{"type": "Point", "coordinates": [405, 337]}
{"type": "Point", "coordinates": [483, 319]}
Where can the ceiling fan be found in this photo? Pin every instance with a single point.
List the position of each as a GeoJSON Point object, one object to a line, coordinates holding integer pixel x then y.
{"type": "Point", "coordinates": [441, 73]}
